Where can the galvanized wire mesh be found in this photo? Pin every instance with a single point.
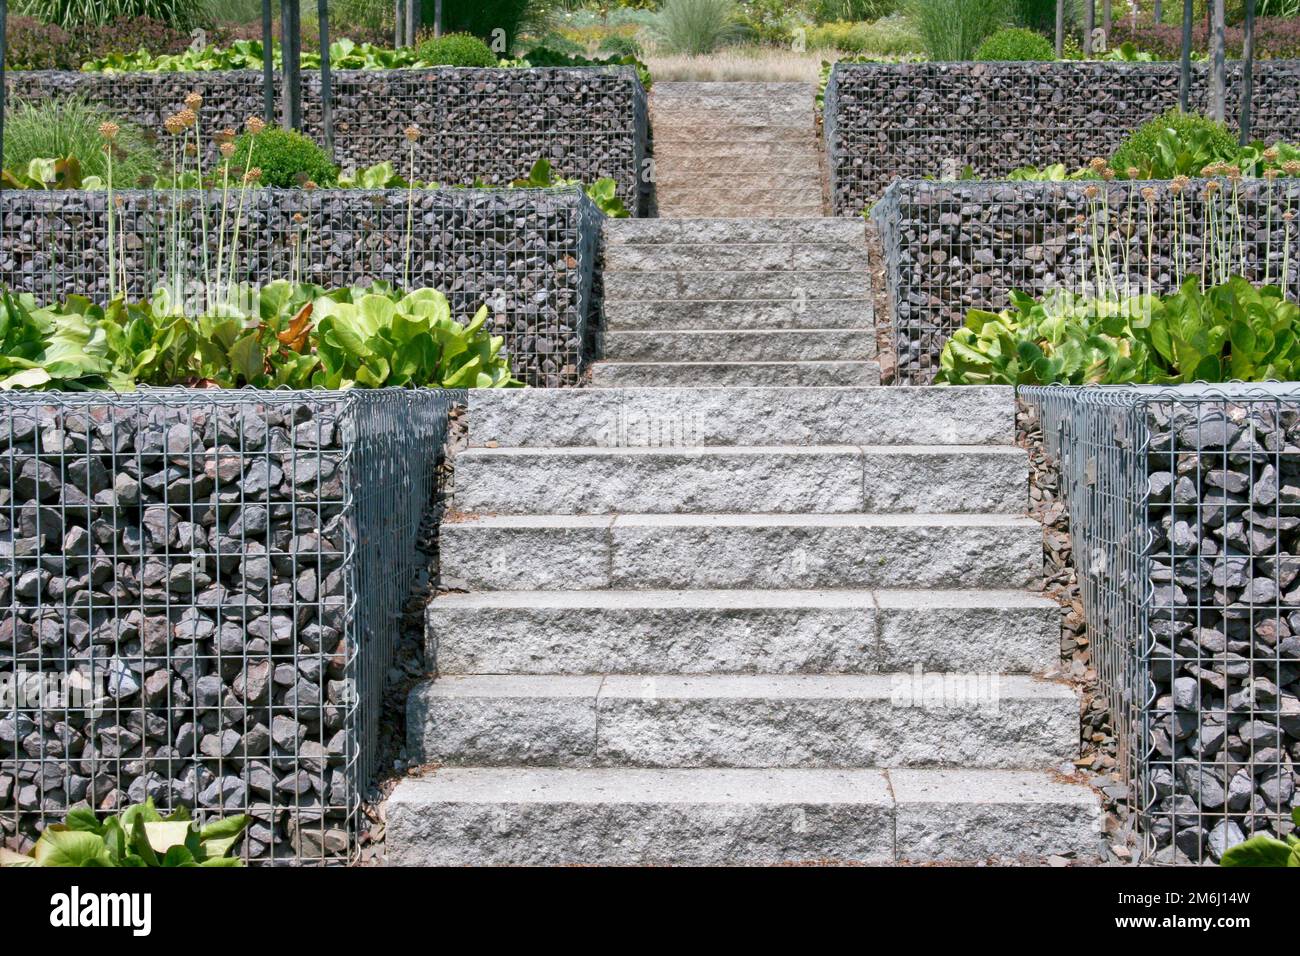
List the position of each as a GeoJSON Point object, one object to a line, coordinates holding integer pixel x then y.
{"type": "Point", "coordinates": [1184, 508]}
{"type": "Point", "coordinates": [488, 124]}
{"type": "Point", "coordinates": [527, 254]}
{"type": "Point", "coordinates": [918, 120]}
{"type": "Point", "coordinates": [954, 246]}
{"type": "Point", "coordinates": [201, 596]}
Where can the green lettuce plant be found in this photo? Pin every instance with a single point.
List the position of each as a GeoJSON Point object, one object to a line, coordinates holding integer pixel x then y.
{"type": "Point", "coordinates": [138, 837]}
{"type": "Point", "coordinates": [1264, 850]}
{"type": "Point", "coordinates": [1230, 331]}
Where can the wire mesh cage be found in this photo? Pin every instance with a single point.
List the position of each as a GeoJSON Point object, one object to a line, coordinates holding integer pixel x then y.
{"type": "Point", "coordinates": [200, 601]}
{"type": "Point", "coordinates": [527, 254]}
{"type": "Point", "coordinates": [1184, 508]}
{"type": "Point", "coordinates": [952, 247]}
{"type": "Point", "coordinates": [918, 120]}
{"type": "Point", "coordinates": [479, 124]}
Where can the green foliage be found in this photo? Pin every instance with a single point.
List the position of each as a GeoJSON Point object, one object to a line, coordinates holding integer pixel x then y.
{"type": "Point", "coordinates": [139, 836]}
{"type": "Point", "coordinates": [544, 56]}
{"type": "Point", "coordinates": [1232, 331]}
{"type": "Point", "coordinates": [47, 173]}
{"type": "Point", "coordinates": [69, 128]}
{"type": "Point", "coordinates": [952, 30]}
{"type": "Point", "coordinates": [456, 49]}
{"type": "Point", "coordinates": [889, 36]}
{"type": "Point", "coordinates": [285, 157]}
{"type": "Point", "coordinates": [1040, 15]}
{"type": "Point", "coordinates": [618, 45]}
{"type": "Point", "coordinates": [75, 14]}
{"type": "Point", "coordinates": [1055, 173]}
{"type": "Point", "coordinates": [1016, 43]}
{"type": "Point", "coordinates": [1175, 140]}
{"type": "Point", "coordinates": [824, 11]}
{"type": "Point", "coordinates": [697, 27]}
{"type": "Point", "coordinates": [247, 55]}
{"type": "Point", "coordinates": [483, 18]}
{"type": "Point", "coordinates": [1264, 850]}
{"type": "Point", "coordinates": [601, 192]}
{"type": "Point", "coordinates": [293, 335]}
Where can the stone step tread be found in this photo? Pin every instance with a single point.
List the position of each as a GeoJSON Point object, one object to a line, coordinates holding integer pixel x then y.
{"type": "Point", "coordinates": [741, 632]}
{"type": "Point", "coordinates": [765, 192]}
{"type": "Point", "coordinates": [768, 415]}
{"type": "Point", "coordinates": [460, 522]}
{"type": "Point", "coordinates": [732, 87]}
{"type": "Point", "coordinates": [738, 257]}
{"type": "Point", "coordinates": [756, 136]}
{"type": "Point", "coordinates": [743, 154]}
{"type": "Point", "coordinates": [608, 374]}
{"type": "Point", "coordinates": [749, 315]}
{"type": "Point", "coordinates": [630, 816]}
{"type": "Point", "coordinates": [731, 230]}
{"type": "Point", "coordinates": [739, 286]}
{"type": "Point", "coordinates": [783, 212]}
{"type": "Point", "coordinates": [599, 687]}
{"type": "Point", "coordinates": [759, 345]}
{"type": "Point", "coordinates": [704, 599]}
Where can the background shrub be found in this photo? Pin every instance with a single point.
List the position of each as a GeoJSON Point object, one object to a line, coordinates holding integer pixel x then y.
{"type": "Point", "coordinates": [1137, 150]}
{"type": "Point", "coordinates": [831, 10]}
{"type": "Point", "coordinates": [618, 45]}
{"type": "Point", "coordinates": [73, 14]}
{"type": "Point", "coordinates": [32, 44]}
{"type": "Point", "coordinates": [482, 17]}
{"type": "Point", "coordinates": [1275, 37]}
{"type": "Point", "coordinates": [56, 129]}
{"type": "Point", "coordinates": [286, 158]}
{"type": "Point", "coordinates": [952, 30]}
{"type": "Point", "coordinates": [1016, 43]}
{"type": "Point", "coordinates": [697, 26]}
{"type": "Point", "coordinates": [457, 49]}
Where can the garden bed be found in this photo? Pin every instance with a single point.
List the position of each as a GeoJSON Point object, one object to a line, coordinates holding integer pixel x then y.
{"type": "Point", "coordinates": [529, 255]}
{"type": "Point", "coordinates": [224, 572]}
{"type": "Point", "coordinates": [949, 247]}
{"type": "Point", "coordinates": [480, 124]}
{"type": "Point", "coordinates": [916, 120]}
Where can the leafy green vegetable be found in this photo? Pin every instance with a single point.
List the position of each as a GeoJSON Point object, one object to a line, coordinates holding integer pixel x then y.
{"type": "Point", "coordinates": [295, 336]}
{"type": "Point", "coordinates": [1232, 331]}
{"type": "Point", "coordinates": [139, 836]}
{"type": "Point", "coordinates": [1264, 850]}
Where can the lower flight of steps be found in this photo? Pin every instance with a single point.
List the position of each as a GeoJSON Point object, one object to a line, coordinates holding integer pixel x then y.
{"type": "Point", "coordinates": [741, 626]}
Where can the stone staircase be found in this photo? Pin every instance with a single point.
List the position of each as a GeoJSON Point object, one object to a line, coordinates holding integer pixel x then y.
{"type": "Point", "coordinates": [736, 150]}
{"type": "Point", "coordinates": [736, 302]}
{"type": "Point", "coordinates": [702, 625]}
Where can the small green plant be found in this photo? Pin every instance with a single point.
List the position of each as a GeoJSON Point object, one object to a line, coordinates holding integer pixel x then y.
{"type": "Point", "coordinates": [70, 128]}
{"type": "Point", "coordinates": [1016, 43]}
{"type": "Point", "coordinates": [1208, 140]}
{"type": "Point", "coordinates": [139, 836]}
{"type": "Point", "coordinates": [952, 30]}
{"type": "Point", "coordinates": [601, 192]}
{"type": "Point", "coordinates": [285, 157]}
{"type": "Point", "coordinates": [1264, 850]}
{"type": "Point", "coordinates": [697, 27]}
{"type": "Point", "coordinates": [456, 49]}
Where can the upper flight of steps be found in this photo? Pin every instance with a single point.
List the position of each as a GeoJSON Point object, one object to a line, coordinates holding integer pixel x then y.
{"type": "Point", "coordinates": [736, 302]}
{"type": "Point", "coordinates": [702, 625]}
{"type": "Point", "coordinates": [735, 150]}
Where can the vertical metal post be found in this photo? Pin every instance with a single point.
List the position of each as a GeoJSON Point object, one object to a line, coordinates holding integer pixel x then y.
{"type": "Point", "coordinates": [1159, 11]}
{"type": "Point", "coordinates": [412, 20]}
{"type": "Point", "coordinates": [291, 49]}
{"type": "Point", "coordinates": [1107, 21]}
{"type": "Point", "coordinates": [399, 21]}
{"type": "Point", "coordinates": [268, 66]}
{"type": "Point", "coordinates": [326, 88]}
{"type": "Point", "coordinates": [1247, 70]}
{"type": "Point", "coordinates": [1060, 28]}
{"type": "Point", "coordinates": [1218, 64]}
{"type": "Point", "coordinates": [4, 22]}
{"type": "Point", "coordinates": [1185, 70]}
{"type": "Point", "coordinates": [437, 18]}
{"type": "Point", "coordinates": [1089, 24]}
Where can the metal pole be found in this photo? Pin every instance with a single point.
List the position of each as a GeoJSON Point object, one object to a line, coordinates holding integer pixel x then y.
{"type": "Point", "coordinates": [1107, 21]}
{"type": "Point", "coordinates": [1159, 11]}
{"type": "Point", "coordinates": [437, 18]}
{"type": "Point", "coordinates": [412, 20]}
{"type": "Point", "coordinates": [291, 48]}
{"type": "Point", "coordinates": [399, 21]}
{"type": "Point", "coordinates": [268, 68]}
{"type": "Point", "coordinates": [1089, 24]}
{"type": "Point", "coordinates": [4, 21]}
{"type": "Point", "coordinates": [1247, 70]}
{"type": "Point", "coordinates": [1218, 65]}
{"type": "Point", "coordinates": [1185, 71]}
{"type": "Point", "coordinates": [326, 91]}
{"type": "Point", "coordinates": [1060, 28]}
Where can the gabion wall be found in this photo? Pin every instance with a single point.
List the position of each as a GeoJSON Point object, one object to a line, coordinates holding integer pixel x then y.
{"type": "Point", "coordinates": [953, 246]}
{"type": "Point", "coordinates": [529, 255]}
{"type": "Point", "coordinates": [915, 120]}
{"type": "Point", "coordinates": [488, 124]}
{"type": "Point", "coordinates": [1185, 515]}
{"type": "Point", "coordinates": [200, 597]}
